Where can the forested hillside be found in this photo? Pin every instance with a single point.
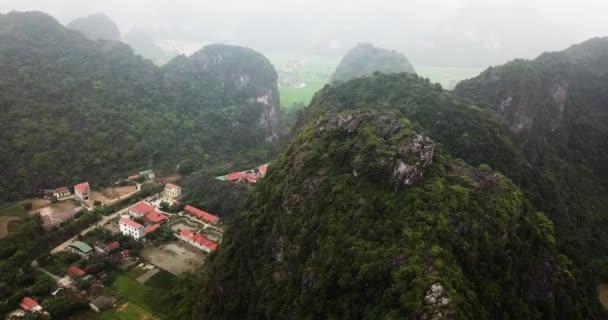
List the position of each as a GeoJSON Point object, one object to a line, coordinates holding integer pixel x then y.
{"type": "Point", "coordinates": [75, 109]}
{"type": "Point", "coordinates": [556, 108]}
{"type": "Point", "coordinates": [365, 217]}
{"type": "Point", "coordinates": [365, 59]}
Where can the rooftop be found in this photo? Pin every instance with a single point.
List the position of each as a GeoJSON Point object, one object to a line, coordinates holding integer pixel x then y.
{"type": "Point", "coordinates": [28, 303]}
{"type": "Point", "coordinates": [74, 271]}
{"type": "Point", "coordinates": [131, 223]}
{"type": "Point", "coordinates": [62, 189]}
{"type": "Point", "coordinates": [155, 216]}
{"type": "Point", "coordinates": [202, 214]}
{"type": "Point", "coordinates": [81, 246]}
{"type": "Point", "coordinates": [171, 186]}
{"type": "Point", "coordinates": [198, 238]}
{"type": "Point", "coordinates": [141, 207]}
{"type": "Point", "coordinates": [152, 228]}
{"type": "Point", "coordinates": [82, 187]}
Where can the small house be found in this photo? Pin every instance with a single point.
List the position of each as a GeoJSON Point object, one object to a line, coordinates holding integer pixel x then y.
{"type": "Point", "coordinates": [82, 191]}
{"type": "Point", "coordinates": [133, 177]}
{"type": "Point", "coordinates": [61, 193]}
{"type": "Point", "coordinates": [30, 305]}
{"type": "Point", "coordinates": [101, 303]}
{"type": "Point", "coordinates": [147, 174]}
{"type": "Point", "coordinates": [74, 272]}
{"type": "Point", "coordinates": [80, 248]}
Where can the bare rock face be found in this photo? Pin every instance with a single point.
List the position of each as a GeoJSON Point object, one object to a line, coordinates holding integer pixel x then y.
{"type": "Point", "coordinates": [439, 301]}
{"type": "Point", "coordinates": [397, 154]}
{"type": "Point", "coordinates": [413, 157]}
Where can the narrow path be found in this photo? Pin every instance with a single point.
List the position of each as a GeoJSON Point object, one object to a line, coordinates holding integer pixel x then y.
{"type": "Point", "coordinates": [56, 278]}
{"type": "Point", "coordinates": [146, 276]}
{"type": "Point", "coordinates": [103, 221]}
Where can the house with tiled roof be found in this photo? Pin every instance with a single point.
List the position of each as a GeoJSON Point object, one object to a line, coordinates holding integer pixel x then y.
{"type": "Point", "coordinates": [82, 191]}
{"type": "Point", "coordinates": [140, 209]}
{"type": "Point", "coordinates": [101, 303]}
{"type": "Point", "coordinates": [133, 177]}
{"type": "Point", "coordinates": [203, 215]}
{"type": "Point", "coordinates": [61, 193]}
{"type": "Point", "coordinates": [197, 240]}
{"type": "Point", "coordinates": [29, 304]}
{"type": "Point", "coordinates": [80, 248]}
{"type": "Point", "coordinates": [131, 228]}
{"type": "Point", "coordinates": [106, 248]}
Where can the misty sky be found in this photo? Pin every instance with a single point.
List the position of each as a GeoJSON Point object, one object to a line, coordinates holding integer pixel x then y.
{"type": "Point", "coordinates": [429, 32]}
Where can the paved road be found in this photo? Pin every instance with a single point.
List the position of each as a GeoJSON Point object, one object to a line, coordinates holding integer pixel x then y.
{"type": "Point", "coordinates": [101, 222]}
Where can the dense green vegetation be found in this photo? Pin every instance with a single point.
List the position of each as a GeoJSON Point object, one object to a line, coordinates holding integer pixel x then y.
{"type": "Point", "coordinates": [365, 59]}
{"type": "Point", "coordinates": [325, 235]}
{"type": "Point", "coordinates": [222, 198]}
{"type": "Point", "coordinates": [76, 110]}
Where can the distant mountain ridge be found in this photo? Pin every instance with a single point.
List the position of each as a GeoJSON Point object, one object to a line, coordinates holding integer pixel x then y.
{"type": "Point", "coordinates": [96, 26]}
{"type": "Point", "coordinates": [365, 59]}
{"type": "Point", "coordinates": [103, 112]}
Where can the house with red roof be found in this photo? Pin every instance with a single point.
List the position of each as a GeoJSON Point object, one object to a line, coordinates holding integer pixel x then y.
{"type": "Point", "coordinates": [172, 191]}
{"type": "Point", "coordinates": [29, 304]}
{"type": "Point", "coordinates": [155, 216]}
{"type": "Point", "coordinates": [75, 272]}
{"type": "Point", "coordinates": [151, 228]}
{"type": "Point", "coordinates": [140, 209]}
{"type": "Point", "coordinates": [133, 177]}
{"type": "Point", "coordinates": [203, 215]}
{"type": "Point", "coordinates": [82, 191]}
{"type": "Point", "coordinates": [61, 192]}
{"type": "Point", "coordinates": [131, 228]}
{"type": "Point", "coordinates": [197, 240]}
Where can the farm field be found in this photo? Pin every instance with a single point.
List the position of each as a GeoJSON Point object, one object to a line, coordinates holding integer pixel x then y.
{"type": "Point", "coordinates": [315, 72]}
{"type": "Point", "coordinates": [447, 77]}
{"type": "Point", "coordinates": [10, 217]}
{"type": "Point", "coordinates": [109, 194]}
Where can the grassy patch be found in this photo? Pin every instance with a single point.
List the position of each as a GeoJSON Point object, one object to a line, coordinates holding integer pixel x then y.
{"type": "Point", "coordinates": [162, 281]}
{"type": "Point", "coordinates": [13, 209]}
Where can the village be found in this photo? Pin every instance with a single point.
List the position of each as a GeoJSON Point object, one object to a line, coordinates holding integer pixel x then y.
{"type": "Point", "coordinates": [146, 240]}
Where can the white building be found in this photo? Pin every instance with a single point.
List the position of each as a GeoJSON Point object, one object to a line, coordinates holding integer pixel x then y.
{"type": "Point", "coordinates": [172, 191]}
{"type": "Point", "coordinates": [61, 192]}
{"type": "Point", "coordinates": [131, 228]}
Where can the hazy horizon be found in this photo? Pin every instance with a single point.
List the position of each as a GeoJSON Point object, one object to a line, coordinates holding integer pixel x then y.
{"type": "Point", "coordinates": [456, 33]}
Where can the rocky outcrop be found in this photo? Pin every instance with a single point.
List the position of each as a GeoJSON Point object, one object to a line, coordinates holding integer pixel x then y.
{"type": "Point", "coordinates": [413, 153]}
